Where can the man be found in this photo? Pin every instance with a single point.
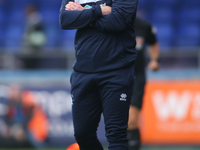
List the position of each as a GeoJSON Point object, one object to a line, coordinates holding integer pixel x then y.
{"type": "Point", "coordinates": [26, 124]}
{"type": "Point", "coordinates": [103, 76]}
{"type": "Point", "coordinates": [145, 35]}
{"type": "Point", "coordinates": [34, 38]}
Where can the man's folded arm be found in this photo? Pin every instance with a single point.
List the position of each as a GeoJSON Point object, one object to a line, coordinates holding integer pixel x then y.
{"type": "Point", "coordinates": [122, 13]}
{"type": "Point", "coordinates": [76, 19]}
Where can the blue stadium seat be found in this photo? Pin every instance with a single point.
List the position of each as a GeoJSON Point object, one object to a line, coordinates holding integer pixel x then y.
{"type": "Point", "coordinates": [17, 16]}
{"type": "Point", "coordinates": [188, 35]}
{"type": "Point", "coordinates": [189, 15]}
{"type": "Point", "coordinates": [50, 16]}
{"type": "Point", "coordinates": [1, 15]}
{"type": "Point", "coordinates": [53, 36]}
{"type": "Point", "coordinates": [13, 36]}
{"type": "Point", "coordinates": [166, 3]}
{"type": "Point", "coordinates": [2, 26]}
{"type": "Point", "coordinates": [5, 5]}
{"type": "Point", "coordinates": [4, 16]}
{"type": "Point", "coordinates": [190, 3]}
{"type": "Point", "coordinates": [21, 4]}
{"type": "Point", "coordinates": [165, 34]}
{"type": "Point", "coordinates": [16, 4]}
{"type": "Point", "coordinates": [145, 5]}
{"type": "Point", "coordinates": [49, 4]}
{"type": "Point", "coordinates": [162, 15]}
{"type": "Point", "coordinates": [1, 37]}
{"type": "Point", "coordinates": [68, 39]}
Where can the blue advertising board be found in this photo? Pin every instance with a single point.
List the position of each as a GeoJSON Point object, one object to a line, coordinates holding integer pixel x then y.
{"type": "Point", "coordinates": [55, 100]}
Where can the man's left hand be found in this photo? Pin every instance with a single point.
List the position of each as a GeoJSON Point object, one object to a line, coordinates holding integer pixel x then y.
{"type": "Point", "coordinates": [153, 65]}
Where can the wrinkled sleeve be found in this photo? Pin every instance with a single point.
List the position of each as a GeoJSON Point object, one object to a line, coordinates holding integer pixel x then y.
{"type": "Point", "coordinates": [74, 19]}
{"type": "Point", "coordinates": [122, 13]}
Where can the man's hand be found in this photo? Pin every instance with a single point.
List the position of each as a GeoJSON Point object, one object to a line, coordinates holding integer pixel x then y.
{"type": "Point", "coordinates": [154, 55]}
{"type": "Point", "coordinates": [153, 65]}
{"type": "Point", "coordinates": [73, 6]}
{"type": "Point", "coordinates": [106, 10]}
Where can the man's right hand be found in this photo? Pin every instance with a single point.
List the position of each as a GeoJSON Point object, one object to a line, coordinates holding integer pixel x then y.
{"type": "Point", "coordinates": [106, 10]}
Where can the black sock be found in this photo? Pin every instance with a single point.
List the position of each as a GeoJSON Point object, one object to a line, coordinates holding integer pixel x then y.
{"type": "Point", "coordinates": [133, 139]}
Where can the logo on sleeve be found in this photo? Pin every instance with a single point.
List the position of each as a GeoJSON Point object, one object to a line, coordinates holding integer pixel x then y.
{"type": "Point", "coordinates": [140, 43]}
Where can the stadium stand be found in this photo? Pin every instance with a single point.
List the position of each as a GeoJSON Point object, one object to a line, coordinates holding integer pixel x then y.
{"type": "Point", "coordinates": [188, 35]}
{"type": "Point", "coordinates": [177, 22]}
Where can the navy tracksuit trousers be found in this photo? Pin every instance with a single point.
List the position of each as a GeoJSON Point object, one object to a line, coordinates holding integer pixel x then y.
{"type": "Point", "coordinates": [96, 93]}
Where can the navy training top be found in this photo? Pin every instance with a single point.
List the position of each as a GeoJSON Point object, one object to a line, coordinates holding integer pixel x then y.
{"type": "Point", "coordinates": [102, 43]}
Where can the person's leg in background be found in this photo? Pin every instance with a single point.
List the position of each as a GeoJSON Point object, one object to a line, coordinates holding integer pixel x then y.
{"type": "Point", "coordinates": [133, 133]}
{"type": "Point", "coordinates": [86, 111]}
{"type": "Point", "coordinates": [116, 91]}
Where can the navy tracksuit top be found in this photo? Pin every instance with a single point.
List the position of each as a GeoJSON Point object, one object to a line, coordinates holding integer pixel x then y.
{"type": "Point", "coordinates": [102, 43]}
